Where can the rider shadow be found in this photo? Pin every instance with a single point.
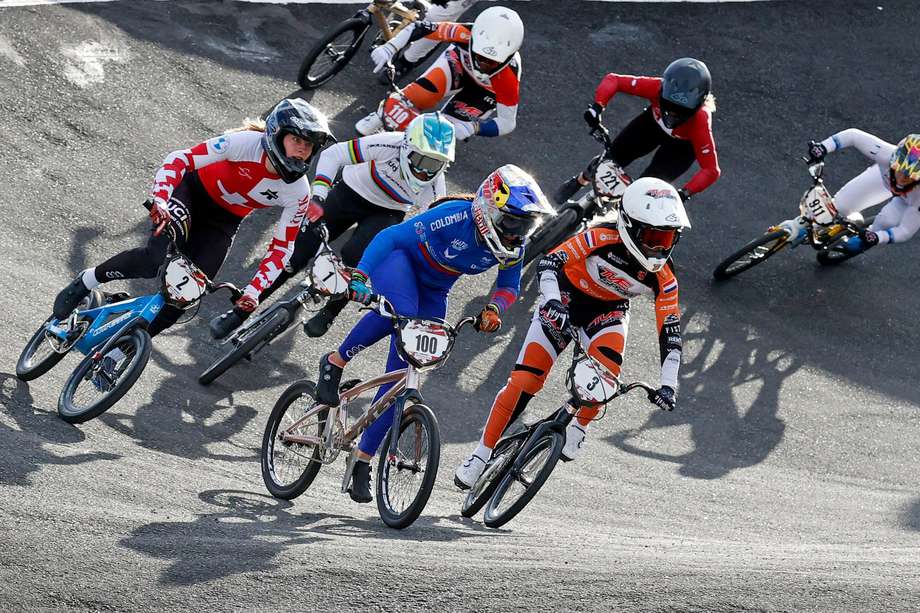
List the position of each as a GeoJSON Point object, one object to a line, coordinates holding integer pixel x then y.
{"type": "Point", "coordinates": [910, 516]}
{"type": "Point", "coordinates": [28, 431]}
{"type": "Point", "coordinates": [725, 436]}
{"type": "Point", "coordinates": [251, 530]}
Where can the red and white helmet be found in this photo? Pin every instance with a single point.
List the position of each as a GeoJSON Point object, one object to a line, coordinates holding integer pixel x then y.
{"type": "Point", "coordinates": [497, 34]}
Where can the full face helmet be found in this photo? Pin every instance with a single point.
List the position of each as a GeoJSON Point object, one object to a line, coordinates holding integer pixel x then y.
{"type": "Point", "coordinates": [651, 218]}
{"type": "Point", "coordinates": [427, 149]}
{"type": "Point", "coordinates": [904, 167]}
{"type": "Point", "coordinates": [685, 85]}
{"type": "Point", "coordinates": [507, 208]}
{"type": "Point", "coordinates": [497, 35]}
{"type": "Point", "coordinates": [300, 118]}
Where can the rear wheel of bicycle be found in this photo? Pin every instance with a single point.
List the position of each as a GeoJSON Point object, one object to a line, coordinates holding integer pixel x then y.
{"type": "Point", "coordinates": [405, 483]}
{"type": "Point", "coordinates": [502, 458]}
{"type": "Point", "coordinates": [269, 325]}
{"type": "Point", "coordinates": [42, 353]}
{"type": "Point", "coordinates": [91, 390]}
{"type": "Point", "coordinates": [554, 232]}
{"type": "Point", "coordinates": [288, 469]}
{"type": "Point", "coordinates": [517, 488]}
{"type": "Point", "coordinates": [332, 53]}
{"type": "Point", "coordinates": [836, 255]}
{"type": "Point", "coordinates": [752, 254]}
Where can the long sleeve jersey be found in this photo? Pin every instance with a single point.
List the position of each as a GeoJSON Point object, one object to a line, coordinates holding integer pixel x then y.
{"type": "Point", "coordinates": [597, 264]}
{"type": "Point", "coordinates": [443, 244]}
{"type": "Point", "coordinates": [370, 166]}
{"type": "Point", "coordinates": [232, 170]}
{"type": "Point", "coordinates": [697, 129]}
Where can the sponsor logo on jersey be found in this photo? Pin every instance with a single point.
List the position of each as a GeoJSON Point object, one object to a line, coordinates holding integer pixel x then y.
{"type": "Point", "coordinates": [458, 244]}
{"type": "Point", "coordinates": [661, 193]}
{"type": "Point", "coordinates": [244, 172]}
{"type": "Point", "coordinates": [605, 319]}
{"type": "Point", "coordinates": [671, 319]}
{"type": "Point", "coordinates": [611, 279]}
{"type": "Point", "coordinates": [219, 144]}
{"type": "Point", "coordinates": [420, 229]}
{"type": "Point", "coordinates": [443, 222]}
{"type": "Point", "coordinates": [270, 194]}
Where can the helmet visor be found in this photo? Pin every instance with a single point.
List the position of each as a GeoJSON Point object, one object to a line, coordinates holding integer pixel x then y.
{"type": "Point", "coordinates": [424, 168]}
{"type": "Point", "coordinates": [484, 64]}
{"type": "Point", "coordinates": [902, 181]}
{"type": "Point", "coordinates": [674, 114]}
{"type": "Point", "coordinates": [513, 230]}
{"type": "Point", "coordinates": [656, 242]}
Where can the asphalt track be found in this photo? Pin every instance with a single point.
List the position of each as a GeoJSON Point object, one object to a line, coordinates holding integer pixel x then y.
{"type": "Point", "coordinates": [785, 481]}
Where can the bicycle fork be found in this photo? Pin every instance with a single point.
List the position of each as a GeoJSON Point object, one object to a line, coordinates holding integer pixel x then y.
{"type": "Point", "coordinates": [559, 422]}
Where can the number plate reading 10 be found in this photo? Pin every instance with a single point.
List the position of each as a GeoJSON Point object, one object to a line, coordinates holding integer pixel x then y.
{"type": "Point", "coordinates": [426, 342]}
{"type": "Point", "coordinates": [594, 383]}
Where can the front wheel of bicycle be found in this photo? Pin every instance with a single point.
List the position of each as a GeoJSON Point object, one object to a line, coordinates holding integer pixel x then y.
{"type": "Point", "coordinates": [288, 468]}
{"type": "Point", "coordinates": [97, 384]}
{"type": "Point", "coordinates": [332, 53]}
{"type": "Point", "coordinates": [502, 458]}
{"type": "Point", "coordinates": [404, 483]}
{"type": "Point", "coordinates": [752, 254]}
{"type": "Point", "coordinates": [268, 326]}
{"type": "Point", "coordinates": [518, 487]}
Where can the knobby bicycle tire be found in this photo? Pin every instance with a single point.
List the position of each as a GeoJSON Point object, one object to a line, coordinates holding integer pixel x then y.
{"type": "Point", "coordinates": [758, 251]}
{"type": "Point", "coordinates": [552, 440]}
{"type": "Point", "coordinates": [140, 339]}
{"type": "Point", "coordinates": [288, 492]}
{"type": "Point", "coordinates": [422, 416]}
{"type": "Point", "coordinates": [358, 26]}
{"type": "Point", "coordinates": [271, 325]}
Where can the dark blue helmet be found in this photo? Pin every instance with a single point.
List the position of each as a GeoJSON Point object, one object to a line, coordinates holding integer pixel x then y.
{"type": "Point", "coordinates": [298, 117]}
{"type": "Point", "coordinates": [684, 87]}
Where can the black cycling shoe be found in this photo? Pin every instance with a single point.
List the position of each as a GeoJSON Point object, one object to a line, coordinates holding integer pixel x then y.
{"type": "Point", "coordinates": [360, 488]}
{"type": "Point", "coordinates": [567, 190]}
{"type": "Point", "coordinates": [320, 323]}
{"type": "Point", "coordinates": [69, 298]}
{"type": "Point", "coordinates": [327, 388]}
{"type": "Point", "coordinates": [222, 325]}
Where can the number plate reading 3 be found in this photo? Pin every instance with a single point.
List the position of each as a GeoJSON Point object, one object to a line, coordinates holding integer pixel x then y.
{"type": "Point", "coordinates": [609, 180]}
{"type": "Point", "coordinates": [425, 341]}
{"type": "Point", "coordinates": [184, 283]}
{"type": "Point", "coordinates": [328, 275]}
{"type": "Point", "coordinates": [593, 382]}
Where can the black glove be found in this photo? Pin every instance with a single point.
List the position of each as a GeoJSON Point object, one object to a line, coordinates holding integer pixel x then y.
{"type": "Point", "coordinates": [816, 152]}
{"type": "Point", "coordinates": [869, 237]}
{"type": "Point", "coordinates": [684, 194]}
{"type": "Point", "coordinates": [555, 314]}
{"type": "Point", "coordinates": [664, 398]}
{"type": "Point", "coordinates": [593, 115]}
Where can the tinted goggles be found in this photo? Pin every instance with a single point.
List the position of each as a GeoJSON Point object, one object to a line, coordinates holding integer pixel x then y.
{"type": "Point", "coordinates": [485, 65]}
{"type": "Point", "coordinates": [513, 230]}
{"type": "Point", "coordinates": [657, 240]}
{"type": "Point", "coordinates": [424, 167]}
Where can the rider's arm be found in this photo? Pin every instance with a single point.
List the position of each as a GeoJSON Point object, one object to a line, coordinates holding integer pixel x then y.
{"type": "Point", "coordinates": [401, 235]}
{"type": "Point", "coordinates": [280, 248]}
{"type": "Point", "coordinates": [225, 147]}
{"type": "Point", "coordinates": [612, 84]}
{"type": "Point", "coordinates": [907, 226]}
{"type": "Point", "coordinates": [444, 31]}
{"type": "Point", "coordinates": [507, 285]}
{"type": "Point", "coordinates": [667, 318]}
{"type": "Point", "coordinates": [507, 88]}
{"type": "Point", "coordinates": [704, 148]}
{"type": "Point", "coordinates": [869, 145]}
{"type": "Point", "coordinates": [548, 270]}
{"type": "Point", "coordinates": [355, 151]}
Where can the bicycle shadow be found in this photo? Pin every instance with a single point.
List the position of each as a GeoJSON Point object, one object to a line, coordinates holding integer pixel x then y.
{"type": "Point", "coordinates": [26, 431]}
{"type": "Point", "coordinates": [251, 531]}
{"type": "Point", "coordinates": [910, 516]}
{"type": "Point", "coordinates": [725, 435]}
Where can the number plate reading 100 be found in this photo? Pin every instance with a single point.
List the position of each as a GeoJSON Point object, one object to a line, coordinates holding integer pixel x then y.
{"type": "Point", "coordinates": [424, 341]}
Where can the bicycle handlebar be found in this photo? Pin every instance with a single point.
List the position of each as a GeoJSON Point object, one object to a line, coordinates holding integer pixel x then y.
{"type": "Point", "coordinates": [383, 307]}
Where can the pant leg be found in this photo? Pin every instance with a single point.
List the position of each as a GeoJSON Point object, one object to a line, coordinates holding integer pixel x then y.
{"type": "Point", "coordinates": [640, 137]}
{"type": "Point", "coordinates": [897, 222]}
{"type": "Point", "coordinates": [605, 338]}
{"type": "Point", "coordinates": [862, 191]}
{"type": "Point", "coordinates": [671, 160]}
{"type": "Point", "coordinates": [427, 90]}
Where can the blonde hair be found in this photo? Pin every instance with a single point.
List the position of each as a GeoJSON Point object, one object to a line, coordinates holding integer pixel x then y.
{"type": "Point", "coordinates": [710, 103]}
{"type": "Point", "coordinates": [249, 124]}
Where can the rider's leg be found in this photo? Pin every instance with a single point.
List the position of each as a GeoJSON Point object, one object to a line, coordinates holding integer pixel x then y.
{"type": "Point", "coordinates": [451, 10]}
{"type": "Point", "coordinates": [672, 159]}
{"type": "Point", "coordinates": [862, 191]}
{"type": "Point", "coordinates": [371, 219]}
{"type": "Point", "coordinates": [897, 222]}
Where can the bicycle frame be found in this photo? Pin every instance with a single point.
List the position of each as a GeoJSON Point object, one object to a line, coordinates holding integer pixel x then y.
{"type": "Point", "coordinates": [383, 11]}
{"type": "Point", "coordinates": [109, 321]}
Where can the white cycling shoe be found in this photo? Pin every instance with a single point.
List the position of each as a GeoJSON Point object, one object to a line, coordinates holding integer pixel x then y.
{"type": "Point", "coordinates": [574, 440]}
{"type": "Point", "coordinates": [469, 471]}
{"type": "Point", "coordinates": [795, 228]}
{"type": "Point", "coordinates": [369, 125]}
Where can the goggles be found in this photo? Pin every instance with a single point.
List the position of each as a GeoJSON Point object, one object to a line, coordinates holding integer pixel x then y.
{"type": "Point", "coordinates": [485, 65]}
{"type": "Point", "coordinates": [656, 241]}
{"type": "Point", "coordinates": [513, 229]}
{"type": "Point", "coordinates": [424, 167]}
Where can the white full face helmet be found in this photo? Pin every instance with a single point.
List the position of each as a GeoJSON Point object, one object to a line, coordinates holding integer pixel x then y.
{"type": "Point", "coordinates": [497, 35]}
{"type": "Point", "coordinates": [651, 218]}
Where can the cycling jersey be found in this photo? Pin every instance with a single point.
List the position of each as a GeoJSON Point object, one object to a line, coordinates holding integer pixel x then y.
{"type": "Point", "coordinates": [442, 244]}
{"type": "Point", "coordinates": [370, 166]}
{"type": "Point", "coordinates": [232, 171]}
{"type": "Point", "coordinates": [898, 220]}
{"type": "Point", "coordinates": [697, 129]}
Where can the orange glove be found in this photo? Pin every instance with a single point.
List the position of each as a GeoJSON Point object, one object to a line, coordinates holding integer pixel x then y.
{"type": "Point", "coordinates": [490, 318]}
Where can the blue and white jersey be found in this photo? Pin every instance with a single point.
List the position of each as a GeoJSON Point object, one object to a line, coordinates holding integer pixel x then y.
{"type": "Point", "coordinates": [444, 243]}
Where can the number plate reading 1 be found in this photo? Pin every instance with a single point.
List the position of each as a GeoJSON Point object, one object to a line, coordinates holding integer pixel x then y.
{"type": "Point", "coordinates": [593, 382]}
{"type": "Point", "coordinates": [609, 180]}
{"type": "Point", "coordinates": [818, 204]}
{"type": "Point", "coordinates": [328, 274]}
{"type": "Point", "coordinates": [425, 341]}
{"type": "Point", "coordinates": [184, 283]}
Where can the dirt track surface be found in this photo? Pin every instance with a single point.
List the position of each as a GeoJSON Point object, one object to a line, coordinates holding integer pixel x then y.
{"type": "Point", "coordinates": [785, 481]}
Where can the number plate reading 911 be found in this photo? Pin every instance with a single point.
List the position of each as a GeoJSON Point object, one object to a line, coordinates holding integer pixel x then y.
{"type": "Point", "coordinates": [593, 383]}
{"type": "Point", "coordinates": [425, 341]}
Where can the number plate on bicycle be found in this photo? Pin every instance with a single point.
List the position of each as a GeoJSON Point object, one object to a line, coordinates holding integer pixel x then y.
{"type": "Point", "coordinates": [818, 204]}
{"type": "Point", "coordinates": [610, 180]}
{"type": "Point", "coordinates": [424, 342]}
{"type": "Point", "coordinates": [184, 283]}
{"type": "Point", "coordinates": [328, 274]}
{"type": "Point", "coordinates": [591, 382]}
